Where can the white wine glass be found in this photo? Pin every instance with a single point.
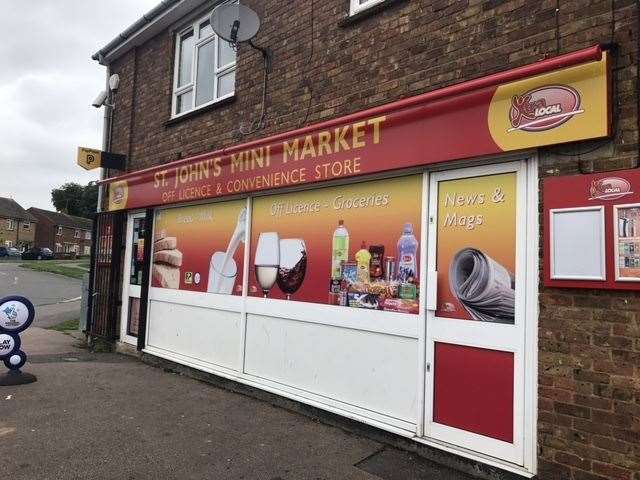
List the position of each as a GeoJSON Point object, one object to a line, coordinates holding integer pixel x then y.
{"type": "Point", "coordinates": [267, 260]}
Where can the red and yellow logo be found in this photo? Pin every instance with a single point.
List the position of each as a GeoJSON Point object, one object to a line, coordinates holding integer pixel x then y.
{"type": "Point", "coordinates": [544, 108]}
{"type": "Point", "coordinates": [118, 195]}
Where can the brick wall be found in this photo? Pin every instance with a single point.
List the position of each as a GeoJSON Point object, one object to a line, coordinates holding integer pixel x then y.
{"type": "Point", "coordinates": [589, 374]}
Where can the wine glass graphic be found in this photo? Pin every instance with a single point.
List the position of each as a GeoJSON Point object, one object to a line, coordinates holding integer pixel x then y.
{"type": "Point", "coordinates": [293, 265]}
{"type": "Point", "coordinates": [267, 260]}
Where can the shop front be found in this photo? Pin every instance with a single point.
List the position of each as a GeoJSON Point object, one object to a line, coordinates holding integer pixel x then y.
{"type": "Point", "coordinates": [382, 266]}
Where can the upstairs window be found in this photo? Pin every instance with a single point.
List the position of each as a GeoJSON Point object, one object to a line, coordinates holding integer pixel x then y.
{"type": "Point", "coordinates": [360, 5]}
{"type": "Point", "coordinates": [76, 234]}
{"type": "Point", "coordinates": [59, 230]}
{"type": "Point", "coordinates": [11, 224]}
{"type": "Point", "coordinates": [205, 68]}
{"type": "Point", "coordinates": [26, 225]}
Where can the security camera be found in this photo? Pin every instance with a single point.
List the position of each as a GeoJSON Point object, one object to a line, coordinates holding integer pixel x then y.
{"type": "Point", "coordinates": [114, 82]}
{"type": "Point", "coordinates": [100, 99]}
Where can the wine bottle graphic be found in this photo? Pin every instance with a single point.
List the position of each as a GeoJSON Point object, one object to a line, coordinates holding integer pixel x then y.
{"type": "Point", "coordinates": [340, 250]}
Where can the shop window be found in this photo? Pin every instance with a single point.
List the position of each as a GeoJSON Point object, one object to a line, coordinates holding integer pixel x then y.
{"type": "Point", "coordinates": [137, 251]}
{"type": "Point", "coordinates": [360, 5]}
{"type": "Point", "coordinates": [204, 70]}
{"type": "Point", "coordinates": [355, 245]}
{"type": "Point", "coordinates": [200, 248]}
{"type": "Point", "coordinates": [133, 321]}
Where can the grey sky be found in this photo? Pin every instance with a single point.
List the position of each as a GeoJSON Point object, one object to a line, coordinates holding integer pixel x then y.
{"type": "Point", "coordinates": [47, 83]}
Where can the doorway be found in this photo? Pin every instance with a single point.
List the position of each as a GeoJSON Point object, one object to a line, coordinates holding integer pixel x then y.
{"type": "Point", "coordinates": [478, 315]}
{"type": "Point", "coordinates": [132, 278]}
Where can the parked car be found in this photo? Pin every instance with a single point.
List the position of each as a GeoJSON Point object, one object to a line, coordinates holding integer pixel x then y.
{"type": "Point", "coordinates": [9, 252]}
{"type": "Point", "coordinates": [37, 253]}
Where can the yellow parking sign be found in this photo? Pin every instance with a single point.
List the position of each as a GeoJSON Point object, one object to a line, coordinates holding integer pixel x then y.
{"type": "Point", "coordinates": [89, 158]}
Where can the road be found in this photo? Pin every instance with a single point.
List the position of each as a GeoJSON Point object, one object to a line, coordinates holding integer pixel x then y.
{"type": "Point", "coordinates": [57, 298]}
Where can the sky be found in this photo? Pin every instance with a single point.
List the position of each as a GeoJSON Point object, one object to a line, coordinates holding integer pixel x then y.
{"type": "Point", "coordinates": [47, 84]}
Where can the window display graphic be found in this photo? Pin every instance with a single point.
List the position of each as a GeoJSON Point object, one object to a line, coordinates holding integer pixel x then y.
{"type": "Point", "coordinates": [199, 247]}
{"type": "Point", "coordinates": [476, 248]}
{"type": "Point", "coordinates": [628, 243]}
{"type": "Point", "coordinates": [354, 245]}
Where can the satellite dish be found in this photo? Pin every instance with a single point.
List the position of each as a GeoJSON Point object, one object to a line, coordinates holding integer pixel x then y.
{"type": "Point", "coordinates": [234, 22]}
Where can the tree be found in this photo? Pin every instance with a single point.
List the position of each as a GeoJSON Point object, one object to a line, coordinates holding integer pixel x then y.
{"type": "Point", "coordinates": [75, 199]}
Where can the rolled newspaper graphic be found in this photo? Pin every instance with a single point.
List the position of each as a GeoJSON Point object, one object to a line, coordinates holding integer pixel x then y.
{"type": "Point", "coordinates": [484, 287]}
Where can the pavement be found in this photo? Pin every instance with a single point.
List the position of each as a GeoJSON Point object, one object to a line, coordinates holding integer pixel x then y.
{"type": "Point", "coordinates": [56, 297]}
{"type": "Point", "coordinates": [110, 416]}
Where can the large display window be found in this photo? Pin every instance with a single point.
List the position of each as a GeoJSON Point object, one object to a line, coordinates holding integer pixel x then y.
{"type": "Point", "coordinates": [200, 247]}
{"type": "Point", "coordinates": [353, 245]}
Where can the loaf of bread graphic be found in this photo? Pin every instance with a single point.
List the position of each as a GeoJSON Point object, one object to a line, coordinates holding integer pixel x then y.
{"type": "Point", "coordinates": [167, 261]}
{"type": "Point", "coordinates": [169, 257]}
{"type": "Point", "coordinates": [166, 243]}
{"type": "Point", "coordinates": [165, 276]}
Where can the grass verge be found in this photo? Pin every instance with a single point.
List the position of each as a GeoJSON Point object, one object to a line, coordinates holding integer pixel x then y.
{"type": "Point", "coordinates": [72, 324]}
{"type": "Point", "coordinates": [54, 267]}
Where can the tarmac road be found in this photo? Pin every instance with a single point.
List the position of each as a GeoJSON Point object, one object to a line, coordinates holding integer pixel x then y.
{"type": "Point", "coordinates": [56, 297]}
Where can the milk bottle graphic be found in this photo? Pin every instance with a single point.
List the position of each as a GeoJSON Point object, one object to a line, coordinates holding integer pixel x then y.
{"type": "Point", "coordinates": [340, 250]}
{"type": "Point", "coordinates": [407, 251]}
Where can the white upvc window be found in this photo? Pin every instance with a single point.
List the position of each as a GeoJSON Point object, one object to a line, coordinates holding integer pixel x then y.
{"type": "Point", "coordinates": [8, 243]}
{"type": "Point", "coordinates": [204, 68]}
{"type": "Point", "coordinates": [87, 235]}
{"type": "Point", "coordinates": [59, 231]}
{"type": "Point", "coordinates": [26, 225]}
{"type": "Point", "coordinates": [76, 234]}
{"type": "Point", "coordinates": [360, 5]}
{"type": "Point", "coordinates": [11, 224]}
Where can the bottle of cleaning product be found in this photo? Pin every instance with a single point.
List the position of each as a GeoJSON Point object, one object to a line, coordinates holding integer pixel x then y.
{"type": "Point", "coordinates": [340, 250]}
{"type": "Point", "coordinates": [363, 258]}
{"type": "Point", "coordinates": [407, 255]}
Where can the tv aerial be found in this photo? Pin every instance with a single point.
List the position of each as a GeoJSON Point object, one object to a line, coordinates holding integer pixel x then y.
{"type": "Point", "coordinates": [236, 24]}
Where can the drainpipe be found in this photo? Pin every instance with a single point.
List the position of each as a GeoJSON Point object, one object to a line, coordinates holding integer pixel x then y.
{"type": "Point", "coordinates": [106, 130]}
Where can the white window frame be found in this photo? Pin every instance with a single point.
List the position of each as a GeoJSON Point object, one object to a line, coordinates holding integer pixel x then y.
{"type": "Point", "coordinates": [8, 243]}
{"type": "Point", "coordinates": [87, 235]}
{"type": "Point", "coordinates": [11, 224]}
{"type": "Point", "coordinates": [76, 233]}
{"type": "Point", "coordinates": [191, 86]}
{"type": "Point", "coordinates": [26, 225]}
{"type": "Point", "coordinates": [357, 7]}
{"type": "Point", "coordinates": [59, 230]}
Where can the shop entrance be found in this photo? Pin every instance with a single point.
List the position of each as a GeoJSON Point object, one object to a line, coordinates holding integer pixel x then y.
{"type": "Point", "coordinates": [477, 316]}
{"type": "Point", "coordinates": [132, 278]}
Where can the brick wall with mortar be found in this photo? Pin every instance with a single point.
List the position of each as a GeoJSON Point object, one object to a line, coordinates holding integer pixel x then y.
{"type": "Point", "coordinates": [589, 341]}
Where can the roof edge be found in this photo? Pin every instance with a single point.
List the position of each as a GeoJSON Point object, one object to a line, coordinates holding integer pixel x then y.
{"type": "Point", "coordinates": [139, 25]}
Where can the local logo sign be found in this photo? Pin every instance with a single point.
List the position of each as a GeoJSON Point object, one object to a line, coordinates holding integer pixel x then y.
{"type": "Point", "coordinates": [610, 188]}
{"type": "Point", "coordinates": [544, 108]}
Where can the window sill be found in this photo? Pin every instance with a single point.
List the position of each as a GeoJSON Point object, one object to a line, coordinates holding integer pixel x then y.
{"type": "Point", "coordinates": [349, 20]}
{"type": "Point", "coordinates": [199, 111]}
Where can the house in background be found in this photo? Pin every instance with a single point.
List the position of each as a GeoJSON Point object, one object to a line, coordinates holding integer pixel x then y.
{"type": "Point", "coordinates": [17, 226]}
{"type": "Point", "coordinates": [62, 233]}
